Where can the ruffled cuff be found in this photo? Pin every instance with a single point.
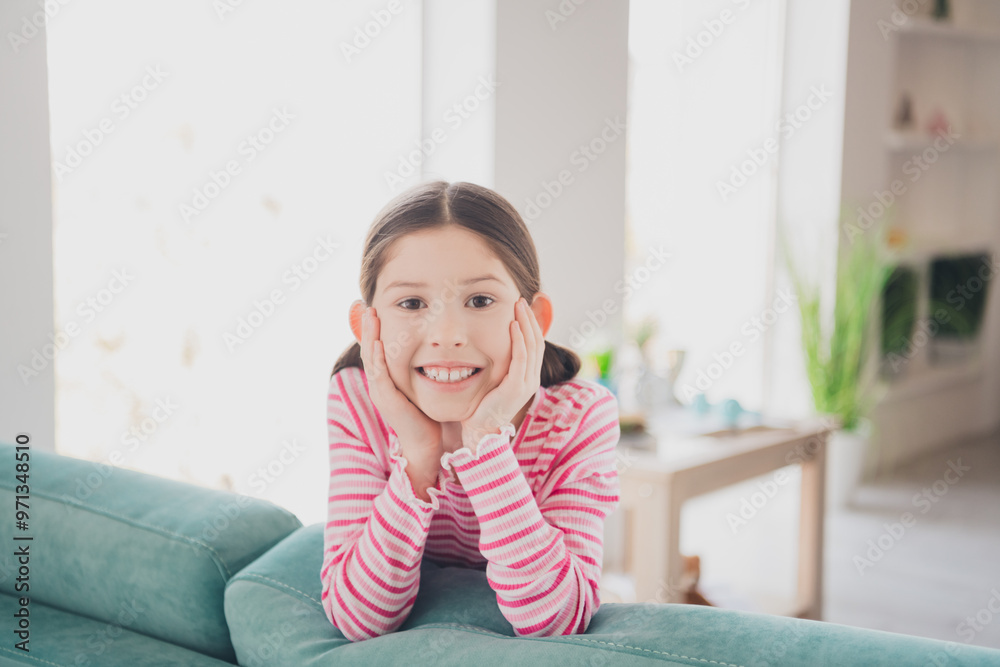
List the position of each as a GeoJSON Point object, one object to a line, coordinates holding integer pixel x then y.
{"type": "Point", "coordinates": [487, 445]}
{"type": "Point", "coordinates": [403, 486]}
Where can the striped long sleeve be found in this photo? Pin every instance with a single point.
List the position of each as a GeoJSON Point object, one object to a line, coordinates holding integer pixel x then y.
{"type": "Point", "coordinates": [545, 549]}
{"type": "Point", "coordinates": [377, 528]}
{"type": "Point", "coordinates": [529, 511]}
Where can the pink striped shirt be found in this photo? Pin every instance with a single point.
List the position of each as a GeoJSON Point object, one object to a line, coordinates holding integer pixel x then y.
{"type": "Point", "coordinates": [529, 511]}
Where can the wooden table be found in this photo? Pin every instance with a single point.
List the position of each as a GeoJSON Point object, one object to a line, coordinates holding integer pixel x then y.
{"type": "Point", "coordinates": [662, 469]}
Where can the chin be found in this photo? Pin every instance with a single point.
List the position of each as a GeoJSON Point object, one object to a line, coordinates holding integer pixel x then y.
{"type": "Point", "coordinates": [443, 414]}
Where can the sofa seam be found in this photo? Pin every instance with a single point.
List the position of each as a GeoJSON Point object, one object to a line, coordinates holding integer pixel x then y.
{"type": "Point", "coordinates": [568, 639]}
{"type": "Point", "coordinates": [261, 577]}
{"type": "Point", "coordinates": [31, 657]}
{"type": "Point", "coordinates": [474, 628]}
{"type": "Point", "coordinates": [134, 522]}
{"type": "Point", "coordinates": [651, 650]}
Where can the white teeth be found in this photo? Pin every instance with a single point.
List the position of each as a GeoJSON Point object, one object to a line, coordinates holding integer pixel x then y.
{"type": "Point", "coordinates": [444, 375]}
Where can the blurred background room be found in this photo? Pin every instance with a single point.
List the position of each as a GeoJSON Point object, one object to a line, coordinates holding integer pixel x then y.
{"type": "Point", "coordinates": [747, 213]}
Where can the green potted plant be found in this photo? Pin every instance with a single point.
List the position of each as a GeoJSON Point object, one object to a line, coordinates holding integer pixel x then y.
{"type": "Point", "coordinates": [837, 342]}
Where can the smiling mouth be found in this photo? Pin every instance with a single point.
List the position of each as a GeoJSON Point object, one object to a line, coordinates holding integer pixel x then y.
{"type": "Point", "coordinates": [447, 379]}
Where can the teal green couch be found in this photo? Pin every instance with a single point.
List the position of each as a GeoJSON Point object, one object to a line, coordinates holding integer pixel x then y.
{"type": "Point", "coordinates": [125, 568]}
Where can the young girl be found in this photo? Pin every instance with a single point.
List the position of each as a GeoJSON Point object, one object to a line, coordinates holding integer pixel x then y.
{"type": "Point", "coordinates": [457, 432]}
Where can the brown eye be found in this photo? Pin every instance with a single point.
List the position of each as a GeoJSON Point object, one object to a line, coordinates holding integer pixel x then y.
{"type": "Point", "coordinates": [483, 296]}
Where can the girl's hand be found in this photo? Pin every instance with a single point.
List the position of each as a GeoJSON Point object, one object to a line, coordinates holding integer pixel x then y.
{"type": "Point", "coordinates": [420, 437]}
{"type": "Point", "coordinates": [523, 378]}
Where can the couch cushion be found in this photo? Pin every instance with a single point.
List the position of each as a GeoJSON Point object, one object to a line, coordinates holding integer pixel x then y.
{"type": "Point", "coordinates": [68, 640]}
{"type": "Point", "coordinates": [104, 536]}
{"type": "Point", "coordinates": [275, 618]}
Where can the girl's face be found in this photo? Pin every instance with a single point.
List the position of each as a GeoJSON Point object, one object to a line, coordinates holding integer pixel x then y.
{"type": "Point", "coordinates": [441, 315]}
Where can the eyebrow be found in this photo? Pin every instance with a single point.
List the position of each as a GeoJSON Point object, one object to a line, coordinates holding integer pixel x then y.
{"type": "Point", "coordinates": [463, 283]}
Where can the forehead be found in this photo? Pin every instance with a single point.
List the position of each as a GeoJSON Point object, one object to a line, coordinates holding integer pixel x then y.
{"type": "Point", "coordinates": [436, 258]}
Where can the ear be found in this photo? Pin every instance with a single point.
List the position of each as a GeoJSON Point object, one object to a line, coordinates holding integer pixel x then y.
{"type": "Point", "coordinates": [357, 310]}
{"type": "Point", "coordinates": [541, 306]}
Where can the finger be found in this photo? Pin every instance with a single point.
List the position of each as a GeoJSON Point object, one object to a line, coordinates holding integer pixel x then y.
{"type": "Point", "coordinates": [380, 360]}
{"type": "Point", "coordinates": [377, 351]}
{"type": "Point", "coordinates": [518, 360]}
{"type": "Point", "coordinates": [365, 357]}
{"type": "Point", "coordinates": [539, 343]}
{"type": "Point", "coordinates": [370, 336]}
{"type": "Point", "coordinates": [530, 342]}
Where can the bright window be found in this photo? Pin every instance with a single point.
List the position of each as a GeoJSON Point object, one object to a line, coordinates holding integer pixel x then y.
{"type": "Point", "coordinates": [205, 161]}
{"type": "Point", "coordinates": [703, 92]}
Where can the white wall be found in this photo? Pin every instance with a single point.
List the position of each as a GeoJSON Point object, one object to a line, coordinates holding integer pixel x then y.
{"type": "Point", "coordinates": [563, 84]}
{"type": "Point", "coordinates": [26, 297]}
{"type": "Point", "coordinates": [535, 82]}
{"type": "Point", "coordinates": [458, 97]}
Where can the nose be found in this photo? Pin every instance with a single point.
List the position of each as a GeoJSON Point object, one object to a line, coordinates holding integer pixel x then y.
{"type": "Point", "coordinates": [446, 329]}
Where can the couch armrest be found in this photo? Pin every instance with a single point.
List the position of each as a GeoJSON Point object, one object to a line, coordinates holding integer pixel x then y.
{"type": "Point", "coordinates": [106, 539]}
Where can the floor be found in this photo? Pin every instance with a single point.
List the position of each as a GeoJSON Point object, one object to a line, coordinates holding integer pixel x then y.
{"type": "Point", "coordinates": [917, 552]}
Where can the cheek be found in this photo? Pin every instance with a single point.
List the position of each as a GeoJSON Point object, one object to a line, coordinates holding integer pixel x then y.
{"type": "Point", "coordinates": [397, 342]}
{"type": "Point", "coordinates": [497, 345]}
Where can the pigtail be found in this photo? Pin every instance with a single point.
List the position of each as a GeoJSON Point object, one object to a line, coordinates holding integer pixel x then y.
{"type": "Point", "coordinates": [350, 357]}
{"type": "Point", "coordinates": [558, 364]}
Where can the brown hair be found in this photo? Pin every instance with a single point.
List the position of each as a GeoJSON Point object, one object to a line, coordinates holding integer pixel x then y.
{"type": "Point", "coordinates": [479, 210]}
